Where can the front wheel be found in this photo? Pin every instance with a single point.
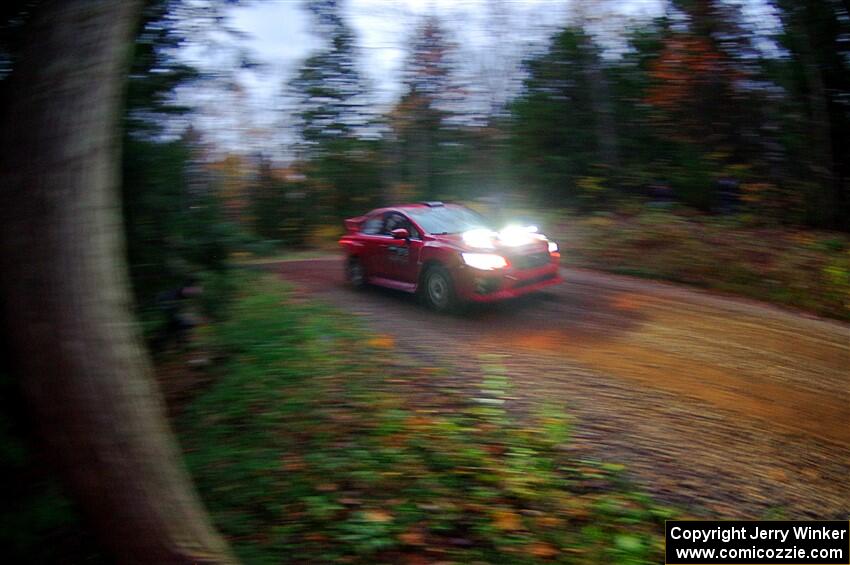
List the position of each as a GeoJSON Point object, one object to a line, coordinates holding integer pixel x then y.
{"type": "Point", "coordinates": [437, 289]}
{"type": "Point", "coordinates": [354, 273]}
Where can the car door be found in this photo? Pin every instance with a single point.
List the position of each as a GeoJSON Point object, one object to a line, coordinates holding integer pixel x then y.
{"type": "Point", "coordinates": [373, 254]}
{"type": "Point", "coordinates": [403, 254]}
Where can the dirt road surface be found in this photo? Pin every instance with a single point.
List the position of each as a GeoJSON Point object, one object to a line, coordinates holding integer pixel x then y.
{"type": "Point", "coordinates": [732, 408]}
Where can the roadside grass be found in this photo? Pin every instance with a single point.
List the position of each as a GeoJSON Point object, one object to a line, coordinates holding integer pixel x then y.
{"type": "Point", "coordinates": [245, 259]}
{"type": "Point", "coordinates": [800, 268]}
{"type": "Point", "coordinates": [318, 442]}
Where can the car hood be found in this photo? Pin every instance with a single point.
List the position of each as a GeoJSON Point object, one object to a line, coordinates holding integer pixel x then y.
{"type": "Point", "coordinates": [455, 240]}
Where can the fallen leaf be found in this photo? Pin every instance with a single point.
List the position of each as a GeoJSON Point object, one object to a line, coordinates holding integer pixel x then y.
{"type": "Point", "coordinates": [378, 516]}
{"type": "Point", "coordinates": [382, 342]}
{"type": "Point", "coordinates": [627, 542]}
{"type": "Point", "coordinates": [506, 520]}
{"type": "Point", "coordinates": [412, 538]}
{"type": "Point", "coordinates": [543, 550]}
{"type": "Point", "coordinates": [550, 521]}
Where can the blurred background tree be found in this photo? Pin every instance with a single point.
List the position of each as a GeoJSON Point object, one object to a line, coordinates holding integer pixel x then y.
{"type": "Point", "coordinates": [697, 107]}
{"type": "Point", "coordinates": [332, 114]}
{"type": "Point", "coordinates": [173, 209]}
{"type": "Point", "coordinates": [815, 114]}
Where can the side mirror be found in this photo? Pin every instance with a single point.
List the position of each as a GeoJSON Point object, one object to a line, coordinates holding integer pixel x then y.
{"type": "Point", "coordinates": [400, 233]}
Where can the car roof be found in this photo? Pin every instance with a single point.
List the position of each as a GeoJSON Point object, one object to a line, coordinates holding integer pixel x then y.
{"type": "Point", "coordinates": [416, 206]}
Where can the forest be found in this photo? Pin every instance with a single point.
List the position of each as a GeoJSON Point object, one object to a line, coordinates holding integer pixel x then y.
{"type": "Point", "coordinates": [698, 113]}
{"type": "Point", "coordinates": [705, 143]}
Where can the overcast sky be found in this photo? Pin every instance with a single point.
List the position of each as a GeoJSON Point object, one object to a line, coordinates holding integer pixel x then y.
{"type": "Point", "coordinates": [277, 34]}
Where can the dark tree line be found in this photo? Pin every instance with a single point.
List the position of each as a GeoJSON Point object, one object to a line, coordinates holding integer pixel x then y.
{"type": "Point", "coordinates": [697, 109]}
{"type": "Point", "coordinates": [697, 103]}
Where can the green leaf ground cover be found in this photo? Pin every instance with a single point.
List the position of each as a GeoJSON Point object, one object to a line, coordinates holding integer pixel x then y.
{"type": "Point", "coordinates": [318, 442]}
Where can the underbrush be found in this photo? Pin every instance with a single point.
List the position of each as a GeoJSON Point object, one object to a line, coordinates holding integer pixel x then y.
{"type": "Point", "coordinates": [320, 443]}
{"type": "Point", "coordinates": [787, 266]}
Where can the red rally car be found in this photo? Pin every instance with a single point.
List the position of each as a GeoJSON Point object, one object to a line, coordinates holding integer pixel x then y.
{"type": "Point", "coordinates": [447, 253]}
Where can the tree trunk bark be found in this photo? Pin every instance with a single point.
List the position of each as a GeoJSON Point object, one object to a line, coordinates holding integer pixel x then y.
{"type": "Point", "coordinates": [603, 110]}
{"type": "Point", "coordinates": [825, 201]}
{"type": "Point", "coordinates": [605, 126]}
{"type": "Point", "coordinates": [67, 314]}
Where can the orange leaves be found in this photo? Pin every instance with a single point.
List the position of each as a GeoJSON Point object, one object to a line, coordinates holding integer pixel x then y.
{"type": "Point", "coordinates": [412, 538]}
{"type": "Point", "coordinates": [686, 63]}
{"type": "Point", "coordinates": [543, 550]}
{"type": "Point", "coordinates": [381, 342]}
{"type": "Point", "coordinates": [507, 520]}
{"type": "Point", "coordinates": [419, 422]}
{"type": "Point", "coordinates": [628, 302]}
{"type": "Point", "coordinates": [550, 522]}
{"type": "Point", "coordinates": [379, 516]}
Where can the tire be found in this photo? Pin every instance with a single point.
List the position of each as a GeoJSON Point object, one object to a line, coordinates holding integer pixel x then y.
{"type": "Point", "coordinates": [354, 273]}
{"type": "Point", "coordinates": [438, 291]}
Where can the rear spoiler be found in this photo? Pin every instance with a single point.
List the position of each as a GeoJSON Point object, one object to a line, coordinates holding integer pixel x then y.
{"type": "Point", "coordinates": [352, 225]}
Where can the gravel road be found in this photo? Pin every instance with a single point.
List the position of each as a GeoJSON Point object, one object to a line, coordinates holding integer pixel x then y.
{"type": "Point", "coordinates": [733, 408]}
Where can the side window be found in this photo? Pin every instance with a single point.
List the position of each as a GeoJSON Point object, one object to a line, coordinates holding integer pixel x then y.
{"type": "Point", "coordinates": [396, 220]}
{"type": "Point", "coordinates": [373, 225]}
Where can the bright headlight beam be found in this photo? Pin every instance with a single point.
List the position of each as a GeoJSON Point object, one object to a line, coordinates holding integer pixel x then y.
{"type": "Point", "coordinates": [515, 236]}
{"type": "Point", "coordinates": [553, 247]}
{"type": "Point", "coordinates": [480, 238]}
{"type": "Point", "coordinates": [484, 261]}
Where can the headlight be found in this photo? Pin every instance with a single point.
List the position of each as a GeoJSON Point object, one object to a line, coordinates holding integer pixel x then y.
{"type": "Point", "coordinates": [480, 238]}
{"type": "Point", "coordinates": [515, 236]}
{"type": "Point", "coordinates": [553, 247]}
{"type": "Point", "coordinates": [484, 261]}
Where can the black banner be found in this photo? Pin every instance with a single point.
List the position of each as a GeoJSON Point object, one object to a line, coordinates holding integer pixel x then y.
{"type": "Point", "coordinates": [757, 542]}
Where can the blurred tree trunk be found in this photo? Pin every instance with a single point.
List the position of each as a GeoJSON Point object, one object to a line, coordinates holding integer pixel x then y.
{"type": "Point", "coordinates": [603, 110]}
{"type": "Point", "coordinates": [605, 126]}
{"type": "Point", "coordinates": [67, 315]}
{"type": "Point", "coordinates": [823, 201]}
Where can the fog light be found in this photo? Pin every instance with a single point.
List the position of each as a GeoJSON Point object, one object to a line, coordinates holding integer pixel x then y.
{"type": "Point", "coordinates": [484, 261]}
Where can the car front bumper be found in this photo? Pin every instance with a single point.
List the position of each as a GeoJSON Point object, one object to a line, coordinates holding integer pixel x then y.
{"type": "Point", "coordinates": [491, 286]}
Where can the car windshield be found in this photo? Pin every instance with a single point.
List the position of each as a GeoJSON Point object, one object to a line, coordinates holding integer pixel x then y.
{"type": "Point", "coordinates": [441, 220]}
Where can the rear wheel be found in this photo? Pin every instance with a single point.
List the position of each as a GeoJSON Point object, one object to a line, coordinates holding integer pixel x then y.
{"type": "Point", "coordinates": [354, 273]}
{"type": "Point", "coordinates": [437, 289]}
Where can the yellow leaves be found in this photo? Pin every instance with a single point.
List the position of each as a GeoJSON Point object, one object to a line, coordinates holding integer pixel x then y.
{"type": "Point", "coordinates": [506, 520]}
{"type": "Point", "coordinates": [379, 516]}
{"type": "Point", "coordinates": [591, 184]}
{"type": "Point", "coordinates": [381, 342]}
